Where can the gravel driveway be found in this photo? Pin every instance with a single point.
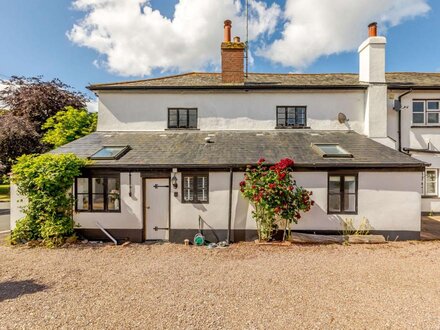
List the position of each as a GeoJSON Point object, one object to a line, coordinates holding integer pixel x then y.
{"type": "Point", "coordinates": [391, 286]}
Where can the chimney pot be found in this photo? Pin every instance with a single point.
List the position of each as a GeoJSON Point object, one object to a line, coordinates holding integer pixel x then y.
{"type": "Point", "coordinates": [236, 39]}
{"type": "Point", "coordinates": [227, 30]}
{"type": "Point", "coordinates": [372, 29]}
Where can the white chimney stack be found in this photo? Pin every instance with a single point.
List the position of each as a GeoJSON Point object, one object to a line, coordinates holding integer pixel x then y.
{"type": "Point", "coordinates": [372, 57]}
{"type": "Point", "coordinates": [372, 72]}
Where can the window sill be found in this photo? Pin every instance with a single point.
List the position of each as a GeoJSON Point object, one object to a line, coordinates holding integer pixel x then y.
{"type": "Point", "coordinates": [292, 127]}
{"type": "Point", "coordinates": [430, 197]}
{"type": "Point", "coordinates": [425, 126]}
{"type": "Point", "coordinates": [182, 129]}
{"type": "Point", "coordinates": [342, 213]}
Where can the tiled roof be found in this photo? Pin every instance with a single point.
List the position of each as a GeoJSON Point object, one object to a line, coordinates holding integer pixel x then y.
{"type": "Point", "coordinates": [205, 80]}
{"type": "Point", "coordinates": [237, 148]}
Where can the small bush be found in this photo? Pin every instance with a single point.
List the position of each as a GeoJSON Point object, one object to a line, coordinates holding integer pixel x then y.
{"type": "Point", "coordinates": [46, 181]}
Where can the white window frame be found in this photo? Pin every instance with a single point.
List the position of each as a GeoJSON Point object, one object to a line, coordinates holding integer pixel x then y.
{"type": "Point", "coordinates": [425, 192]}
{"type": "Point", "coordinates": [425, 112]}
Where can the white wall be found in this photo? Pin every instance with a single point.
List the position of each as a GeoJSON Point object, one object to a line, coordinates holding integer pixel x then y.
{"type": "Point", "coordinates": [143, 111]}
{"type": "Point", "coordinates": [17, 202]}
{"type": "Point", "coordinates": [130, 216]}
{"type": "Point", "coordinates": [390, 201]}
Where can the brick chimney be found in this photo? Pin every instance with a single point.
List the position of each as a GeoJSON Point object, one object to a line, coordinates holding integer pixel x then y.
{"type": "Point", "coordinates": [232, 57]}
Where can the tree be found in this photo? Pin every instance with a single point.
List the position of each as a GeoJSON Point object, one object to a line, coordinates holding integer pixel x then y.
{"type": "Point", "coordinates": [30, 103]}
{"type": "Point", "coordinates": [38, 100]}
{"type": "Point", "coordinates": [68, 125]}
{"type": "Point", "coordinates": [17, 137]}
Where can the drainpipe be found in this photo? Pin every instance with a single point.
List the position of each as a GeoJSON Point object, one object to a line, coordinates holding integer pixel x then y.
{"type": "Point", "coordinates": [399, 116]}
{"type": "Point", "coordinates": [231, 178]}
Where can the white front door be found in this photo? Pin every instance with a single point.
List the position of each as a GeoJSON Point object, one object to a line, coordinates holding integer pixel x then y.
{"type": "Point", "coordinates": [157, 198]}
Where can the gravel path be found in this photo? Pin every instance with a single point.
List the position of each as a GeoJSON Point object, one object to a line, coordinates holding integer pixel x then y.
{"type": "Point", "coordinates": [391, 286]}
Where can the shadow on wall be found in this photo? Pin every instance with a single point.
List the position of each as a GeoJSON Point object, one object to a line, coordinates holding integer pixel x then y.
{"type": "Point", "coordinates": [15, 289]}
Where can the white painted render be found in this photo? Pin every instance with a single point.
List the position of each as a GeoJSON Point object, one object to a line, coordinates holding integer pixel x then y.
{"type": "Point", "coordinates": [17, 202]}
{"type": "Point", "coordinates": [130, 216]}
{"type": "Point", "coordinates": [372, 60]}
{"type": "Point", "coordinates": [390, 201]}
{"type": "Point", "coordinates": [237, 110]}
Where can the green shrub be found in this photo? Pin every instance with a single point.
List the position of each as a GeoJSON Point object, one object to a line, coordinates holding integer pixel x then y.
{"type": "Point", "coordinates": [46, 181]}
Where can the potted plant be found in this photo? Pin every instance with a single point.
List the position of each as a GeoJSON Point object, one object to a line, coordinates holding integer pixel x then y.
{"type": "Point", "coordinates": [278, 201]}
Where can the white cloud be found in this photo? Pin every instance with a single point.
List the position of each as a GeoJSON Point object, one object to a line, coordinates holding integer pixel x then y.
{"type": "Point", "coordinates": [92, 106]}
{"type": "Point", "coordinates": [136, 41]}
{"type": "Point", "coordinates": [316, 28]}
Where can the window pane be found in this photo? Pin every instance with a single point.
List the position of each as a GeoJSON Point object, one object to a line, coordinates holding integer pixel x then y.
{"type": "Point", "coordinates": [202, 191]}
{"type": "Point", "coordinates": [113, 188]}
{"type": "Point", "coordinates": [350, 184]}
{"type": "Point", "coordinates": [98, 202]}
{"type": "Point", "coordinates": [418, 118]}
{"type": "Point", "coordinates": [281, 116]}
{"type": "Point", "coordinates": [349, 202]}
{"type": "Point", "coordinates": [418, 106]}
{"type": "Point", "coordinates": [172, 118]}
{"type": "Point", "coordinates": [334, 185]}
{"type": "Point", "coordinates": [433, 117]}
{"type": "Point", "coordinates": [301, 116]}
{"type": "Point", "coordinates": [98, 185]}
{"type": "Point", "coordinates": [188, 195]}
{"type": "Point", "coordinates": [183, 118]}
{"type": "Point", "coordinates": [82, 185]}
{"type": "Point", "coordinates": [433, 105]}
{"type": "Point", "coordinates": [188, 182]}
{"type": "Point", "coordinates": [431, 182]}
{"type": "Point", "coordinates": [193, 118]}
{"type": "Point", "coordinates": [82, 202]}
{"type": "Point", "coordinates": [334, 203]}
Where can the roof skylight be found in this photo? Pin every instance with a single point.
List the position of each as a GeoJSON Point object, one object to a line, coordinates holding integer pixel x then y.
{"type": "Point", "coordinates": [330, 150]}
{"type": "Point", "coordinates": [110, 152]}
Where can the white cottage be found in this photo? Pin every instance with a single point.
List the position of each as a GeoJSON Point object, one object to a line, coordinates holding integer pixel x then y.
{"type": "Point", "coordinates": [169, 153]}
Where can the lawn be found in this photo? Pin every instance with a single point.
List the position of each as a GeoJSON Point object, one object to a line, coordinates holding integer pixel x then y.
{"type": "Point", "coordinates": [4, 193]}
{"type": "Point", "coordinates": [391, 286]}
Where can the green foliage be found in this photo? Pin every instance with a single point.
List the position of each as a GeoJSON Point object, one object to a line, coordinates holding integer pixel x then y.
{"type": "Point", "coordinates": [277, 199]}
{"type": "Point", "coordinates": [68, 125]}
{"type": "Point", "coordinates": [45, 181]}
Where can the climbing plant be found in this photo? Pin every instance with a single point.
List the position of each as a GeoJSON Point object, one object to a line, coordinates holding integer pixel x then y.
{"type": "Point", "coordinates": [278, 201]}
{"type": "Point", "coordinates": [45, 182]}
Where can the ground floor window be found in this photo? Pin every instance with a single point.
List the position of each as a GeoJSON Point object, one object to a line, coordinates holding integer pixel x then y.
{"type": "Point", "coordinates": [98, 194]}
{"type": "Point", "coordinates": [342, 193]}
{"type": "Point", "coordinates": [430, 182]}
{"type": "Point", "coordinates": [195, 188]}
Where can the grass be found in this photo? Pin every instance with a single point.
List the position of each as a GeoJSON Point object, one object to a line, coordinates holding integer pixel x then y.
{"type": "Point", "coordinates": [4, 193]}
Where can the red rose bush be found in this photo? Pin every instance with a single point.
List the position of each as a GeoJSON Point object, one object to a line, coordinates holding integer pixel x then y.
{"type": "Point", "coordinates": [277, 199]}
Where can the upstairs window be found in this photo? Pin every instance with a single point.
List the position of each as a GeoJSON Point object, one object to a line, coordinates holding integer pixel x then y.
{"type": "Point", "coordinates": [291, 116]}
{"type": "Point", "coordinates": [195, 188]}
{"type": "Point", "coordinates": [426, 112]}
{"type": "Point", "coordinates": [182, 118]}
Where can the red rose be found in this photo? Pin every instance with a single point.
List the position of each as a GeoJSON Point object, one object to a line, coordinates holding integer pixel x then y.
{"type": "Point", "coordinates": [272, 185]}
{"type": "Point", "coordinates": [277, 210]}
{"type": "Point", "coordinates": [281, 176]}
{"type": "Point", "coordinates": [261, 161]}
{"type": "Point", "coordinates": [242, 184]}
{"type": "Point", "coordinates": [312, 203]}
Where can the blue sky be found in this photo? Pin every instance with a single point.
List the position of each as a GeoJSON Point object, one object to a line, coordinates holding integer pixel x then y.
{"type": "Point", "coordinates": [35, 42]}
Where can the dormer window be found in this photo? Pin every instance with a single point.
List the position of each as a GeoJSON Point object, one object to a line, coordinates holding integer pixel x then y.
{"type": "Point", "coordinates": [291, 116]}
{"type": "Point", "coordinates": [183, 118]}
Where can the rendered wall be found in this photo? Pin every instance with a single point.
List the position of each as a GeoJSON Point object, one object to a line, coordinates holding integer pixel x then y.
{"type": "Point", "coordinates": [136, 111]}
{"type": "Point", "coordinates": [389, 200]}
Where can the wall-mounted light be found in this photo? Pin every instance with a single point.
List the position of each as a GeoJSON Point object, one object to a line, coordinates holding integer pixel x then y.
{"type": "Point", "coordinates": [174, 181]}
